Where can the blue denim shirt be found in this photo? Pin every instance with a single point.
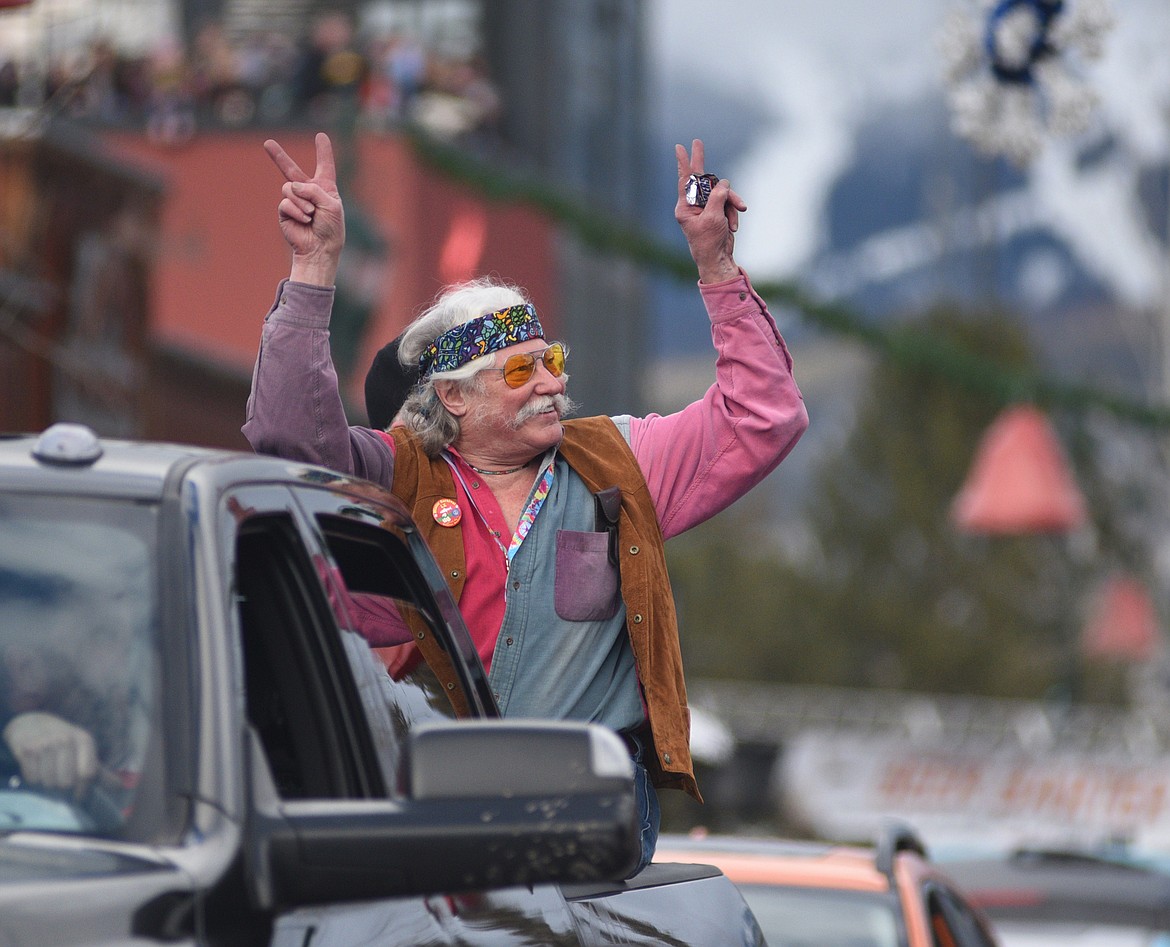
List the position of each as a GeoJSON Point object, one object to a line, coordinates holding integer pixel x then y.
{"type": "Point", "coordinates": [566, 655]}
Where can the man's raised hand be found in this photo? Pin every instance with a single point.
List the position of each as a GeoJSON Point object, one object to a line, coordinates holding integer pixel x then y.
{"type": "Point", "coordinates": [311, 215]}
{"type": "Point", "coordinates": [710, 230]}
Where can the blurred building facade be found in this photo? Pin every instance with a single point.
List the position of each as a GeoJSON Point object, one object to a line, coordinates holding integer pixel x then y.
{"type": "Point", "coordinates": [74, 298]}
{"type": "Point", "coordinates": [573, 75]}
{"type": "Point", "coordinates": [551, 91]}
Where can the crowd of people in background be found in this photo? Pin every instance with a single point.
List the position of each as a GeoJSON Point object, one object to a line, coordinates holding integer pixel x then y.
{"type": "Point", "coordinates": [217, 80]}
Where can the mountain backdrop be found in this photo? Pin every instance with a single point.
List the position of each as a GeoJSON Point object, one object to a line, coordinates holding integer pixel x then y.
{"type": "Point", "coordinates": [832, 120]}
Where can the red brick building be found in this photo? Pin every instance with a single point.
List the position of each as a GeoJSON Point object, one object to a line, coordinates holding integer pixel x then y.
{"type": "Point", "coordinates": [135, 275]}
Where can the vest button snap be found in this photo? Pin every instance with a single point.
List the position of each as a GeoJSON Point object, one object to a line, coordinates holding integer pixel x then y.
{"type": "Point", "coordinates": [637, 619]}
{"type": "Point", "coordinates": [634, 550]}
{"type": "Point", "coordinates": [421, 635]}
{"type": "Point", "coordinates": [665, 757]}
{"type": "Point", "coordinates": [454, 573]}
{"type": "Point", "coordinates": [450, 685]}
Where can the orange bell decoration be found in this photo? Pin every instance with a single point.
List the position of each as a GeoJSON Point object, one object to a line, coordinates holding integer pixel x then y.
{"type": "Point", "coordinates": [1121, 624]}
{"type": "Point", "coordinates": [1020, 481]}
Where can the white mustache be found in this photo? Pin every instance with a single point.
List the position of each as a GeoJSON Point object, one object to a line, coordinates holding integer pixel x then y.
{"type": "Point", "coordinates": [539, 405]}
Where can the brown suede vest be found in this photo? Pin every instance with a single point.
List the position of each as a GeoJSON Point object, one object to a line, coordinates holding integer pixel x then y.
{"type": "Point", "coordinates": [600, 456]}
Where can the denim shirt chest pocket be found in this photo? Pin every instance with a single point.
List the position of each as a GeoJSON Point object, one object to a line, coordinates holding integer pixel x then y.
{"type": "Point", "coordinates": [588, 585]}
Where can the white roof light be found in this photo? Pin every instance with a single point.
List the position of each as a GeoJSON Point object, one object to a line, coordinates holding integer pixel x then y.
{"type": "Point", "coordinates": [67, 444]}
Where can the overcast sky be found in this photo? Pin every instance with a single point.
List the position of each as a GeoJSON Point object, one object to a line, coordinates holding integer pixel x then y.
{"type": "Point", "coordinates": [813, 68]}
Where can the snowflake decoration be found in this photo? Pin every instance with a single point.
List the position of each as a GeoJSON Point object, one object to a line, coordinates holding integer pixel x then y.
{"type": "Point", "coordinates": [1013, 71]}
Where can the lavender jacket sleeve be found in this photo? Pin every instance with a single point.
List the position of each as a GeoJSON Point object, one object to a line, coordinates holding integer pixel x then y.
{"type": "Point", "coordinates": [702, 459]}
{"type": "Point", "coordinates": [295, 409]}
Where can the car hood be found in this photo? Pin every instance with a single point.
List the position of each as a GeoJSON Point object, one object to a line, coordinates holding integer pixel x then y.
{"type": "Point", "coordinates": [33, 857]}
{"type": "Point", "coordinates": [61, 891]}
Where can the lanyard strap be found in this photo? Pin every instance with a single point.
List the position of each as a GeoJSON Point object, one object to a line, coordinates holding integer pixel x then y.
{"type": "Point", "coordinates": [527, 517]}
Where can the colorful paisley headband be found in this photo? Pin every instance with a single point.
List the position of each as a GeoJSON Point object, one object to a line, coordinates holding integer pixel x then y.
{"type": "Point", "coordinates": [480, 336]}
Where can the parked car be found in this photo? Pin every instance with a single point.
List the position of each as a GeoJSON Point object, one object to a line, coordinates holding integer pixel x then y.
{"type": "Point", "coordinates": [1042, 897]}
{"type": "Point", "coordinates": [188, 622]}
{"type": "Point", "coordinates": [810, 894]}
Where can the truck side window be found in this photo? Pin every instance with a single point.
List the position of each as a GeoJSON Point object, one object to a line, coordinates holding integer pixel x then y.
{"type": "Point", "coordinates": [294, 669]}
{"type": "Point", "coordinates": [375, 591]}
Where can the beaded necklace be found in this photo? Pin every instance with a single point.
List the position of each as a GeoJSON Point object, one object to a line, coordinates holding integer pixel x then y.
{"type": "Point", "coordinates": [496, 473]}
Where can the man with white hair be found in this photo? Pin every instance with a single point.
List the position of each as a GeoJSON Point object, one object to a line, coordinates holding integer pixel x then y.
{"type": "Point", "coordinates": [550, 531]}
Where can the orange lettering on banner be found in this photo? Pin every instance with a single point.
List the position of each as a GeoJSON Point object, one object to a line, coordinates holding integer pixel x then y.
{"type": "Point", "coordinates": [1157, 802]}
{"type": "Point", "coordinates": [1012, 790]}
{"type": "Point", "coordinates": [1112, 795]}
{"type": "Point", "coordinates": [925, 782]}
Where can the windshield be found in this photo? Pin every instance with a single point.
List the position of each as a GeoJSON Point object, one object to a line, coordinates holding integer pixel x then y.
{"type": "Point", "coordinates": [77, 639]}
{"type": "Point", "coordinates": [803, 917]}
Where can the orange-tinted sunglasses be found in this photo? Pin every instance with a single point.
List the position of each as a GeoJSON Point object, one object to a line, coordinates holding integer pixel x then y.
{"type": "Point", "coordinates": [519, 368]}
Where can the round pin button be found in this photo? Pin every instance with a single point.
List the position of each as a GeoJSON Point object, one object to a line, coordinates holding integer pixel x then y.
{"type": "Point", "coordinates": [446, 512]}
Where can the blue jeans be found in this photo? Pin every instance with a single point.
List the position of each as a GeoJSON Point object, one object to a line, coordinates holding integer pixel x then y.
{"type": "Point", "coordinates": [649, 811]}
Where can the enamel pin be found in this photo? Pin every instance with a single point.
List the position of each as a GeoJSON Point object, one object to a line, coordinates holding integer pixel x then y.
{"type": "Point", "coordinates": [446, 512]}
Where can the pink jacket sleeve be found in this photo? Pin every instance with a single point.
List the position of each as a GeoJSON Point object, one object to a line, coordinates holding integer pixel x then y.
{"type": "Point", "coordinates": [702, 459]}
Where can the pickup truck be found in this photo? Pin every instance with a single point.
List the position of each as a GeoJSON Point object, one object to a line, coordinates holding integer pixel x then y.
{"type": "Point", "coordinates": [200, 746]}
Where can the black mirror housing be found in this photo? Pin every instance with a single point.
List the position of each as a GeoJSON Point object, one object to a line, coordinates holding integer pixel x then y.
{"type": "Point", "coordinates": [486, 804]}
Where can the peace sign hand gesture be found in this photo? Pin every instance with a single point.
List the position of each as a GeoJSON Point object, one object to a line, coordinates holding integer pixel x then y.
{"type": "Point", "coordinates": [311, 215]}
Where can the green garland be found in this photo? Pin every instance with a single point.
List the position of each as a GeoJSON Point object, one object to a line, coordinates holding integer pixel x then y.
{"type": "Point", "coordinates": [906, 347]}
